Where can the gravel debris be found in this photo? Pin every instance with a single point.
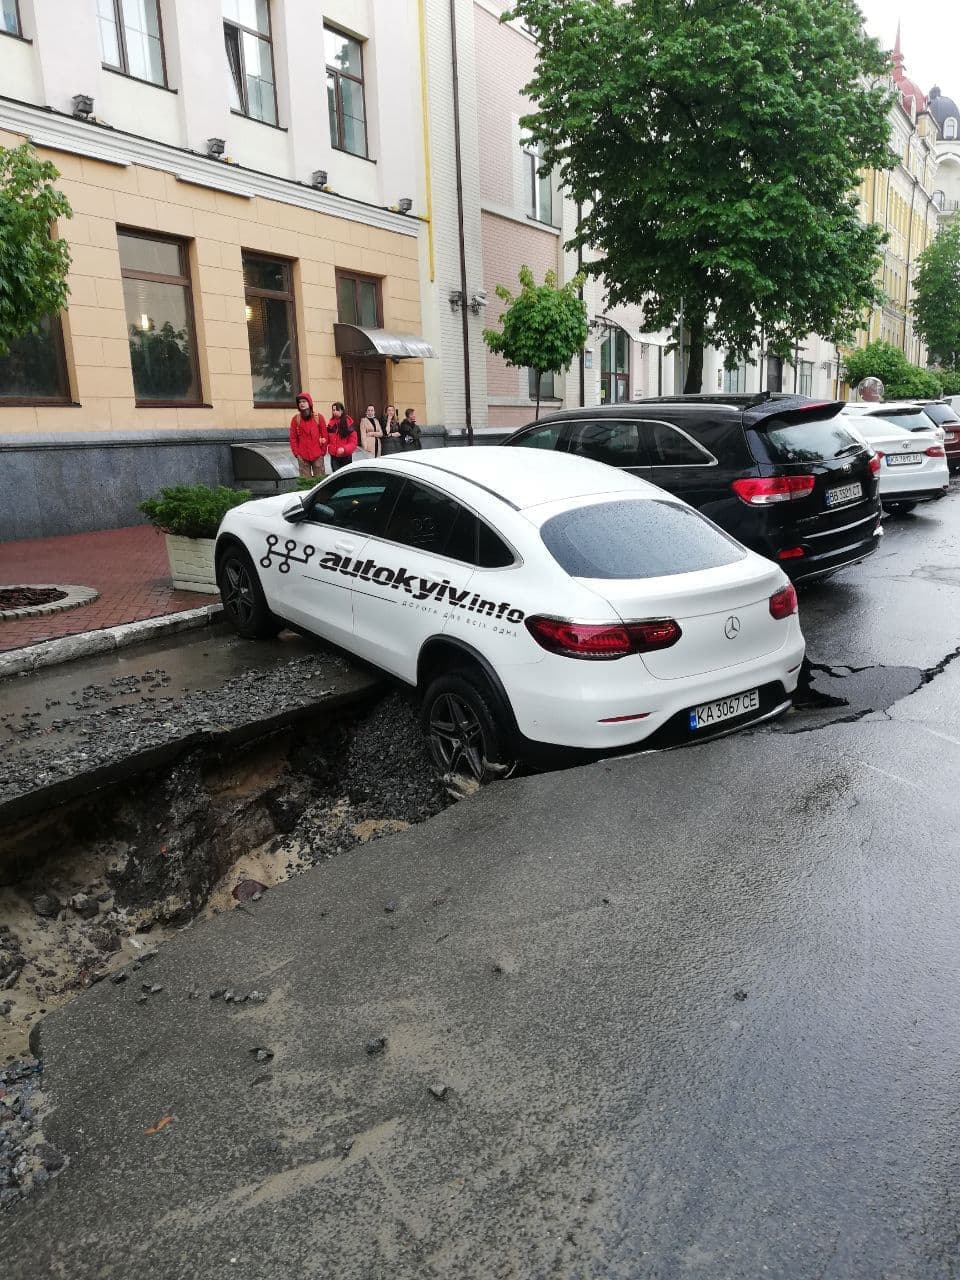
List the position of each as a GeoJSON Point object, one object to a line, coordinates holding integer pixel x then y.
{"type": "Point", "coordinates": [24, 1163]}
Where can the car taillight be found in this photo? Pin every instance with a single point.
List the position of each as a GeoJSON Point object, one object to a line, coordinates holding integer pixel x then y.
{"type": "Point", "coordinates": [761, 491]}
{"type": "Point", "coordinates": [783, 603]}
{"type": "Point", "coordinates": [875, 463]}
{"type": "Point", "coordinates": [791, 553]}
{"type": "Point", "coordinates": [602, 640]}
{"type": "Point", "coordinates": [936, 451]}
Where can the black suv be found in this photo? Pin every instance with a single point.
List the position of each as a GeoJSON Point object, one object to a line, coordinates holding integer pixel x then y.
{"type": "Point", "coordinates": [783, 474]}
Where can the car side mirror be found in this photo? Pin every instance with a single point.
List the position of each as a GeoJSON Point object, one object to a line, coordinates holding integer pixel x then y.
{"type": "Point", "coordinates": [294, 511]}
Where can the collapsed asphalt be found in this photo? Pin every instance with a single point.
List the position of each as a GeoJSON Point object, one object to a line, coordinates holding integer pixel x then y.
{"type": "Point", "coordinates": [685, 1014]}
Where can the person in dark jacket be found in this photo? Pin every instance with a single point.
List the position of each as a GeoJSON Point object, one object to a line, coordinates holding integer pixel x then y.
{"type": "Point", "coordinates": [390, 426]}
{"type": "Point", "coordinates": [410, 430]}
{"type": "Point", "coordinates": [341, 437]}
{"type": "Point", "coordinates": [308, 437]}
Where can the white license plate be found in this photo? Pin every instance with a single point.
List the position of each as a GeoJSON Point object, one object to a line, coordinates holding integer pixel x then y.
{"type": "Point", "coordinates": [845, 493]}
{"type": "Point", "coordinates": [904, 459]}
{"type": "Point", "coordinates": [738, 704]}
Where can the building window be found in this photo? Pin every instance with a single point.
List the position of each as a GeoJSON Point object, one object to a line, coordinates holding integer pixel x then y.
{"type": "Point", "coordinates": [10, 23]}
{"type": "Point", "coordinates": [34, 370]}
{"type": "Point", "coordinates": [805, 379]}
{"type": "Point", "coordinates": [774, 373]}
{"type": "Point", "coordinates": [246, 32]}
{"type": "Point", "coordinates": [359, 301]}
{"type": "Point", "coordinates": [615, 367]}
{"type": "Point", "coordinates": [538, 189]}
{"type": "Point", "coordinates": [548, 389]}
{"type": "Point", "coordinates": [131, 38]}
{"type": "Point", "coordinates": [348, 117]}
{"type": "Point", "coordinates": [950, 127]}
{"type": "Point", "coordinates": [735, 380]}
{"type": "Point", "coordinates": [160, 329]}
{"type": "Point", "coordinates": [271, 328]}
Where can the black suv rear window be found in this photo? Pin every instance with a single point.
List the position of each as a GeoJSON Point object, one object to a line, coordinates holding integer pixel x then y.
{"type": "Point", "coordinates": [638, 538]}
{"type": "Point", "coordinates": [784, 442]}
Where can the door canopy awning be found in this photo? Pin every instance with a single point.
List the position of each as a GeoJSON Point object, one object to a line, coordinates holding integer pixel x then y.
{"type": "Point", "coordinates": [352, 340]}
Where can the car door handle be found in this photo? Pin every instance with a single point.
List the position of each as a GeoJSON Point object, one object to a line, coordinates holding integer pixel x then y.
{"type": "Point", "coordinates": [345, 546]}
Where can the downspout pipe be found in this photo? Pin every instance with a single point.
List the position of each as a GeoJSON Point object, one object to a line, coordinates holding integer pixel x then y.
{"type": "Point", "coordinates": [458, 165]}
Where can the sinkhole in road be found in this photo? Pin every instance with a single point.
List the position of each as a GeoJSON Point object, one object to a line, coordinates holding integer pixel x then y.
{"type": "Point", "coordinates": [94, 885]}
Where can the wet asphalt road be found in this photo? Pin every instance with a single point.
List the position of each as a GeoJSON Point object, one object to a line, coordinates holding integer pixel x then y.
{"type": "Point", "coordinates": [695, 1014]}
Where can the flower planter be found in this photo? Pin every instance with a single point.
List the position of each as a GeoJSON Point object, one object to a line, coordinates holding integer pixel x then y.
{"type": "Point", "coordinates": [191, 563]}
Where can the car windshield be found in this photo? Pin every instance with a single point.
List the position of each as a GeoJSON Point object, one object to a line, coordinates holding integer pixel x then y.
{"type": "Point", "coordinates": [636, 538]}
{"type": "Point", "coordinates": [783, 442]}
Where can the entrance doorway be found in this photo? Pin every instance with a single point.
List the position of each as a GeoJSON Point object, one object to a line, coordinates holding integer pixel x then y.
{"type": "Point", "coordinates": [364, 382]}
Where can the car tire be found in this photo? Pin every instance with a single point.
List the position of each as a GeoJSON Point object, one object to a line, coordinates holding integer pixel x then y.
{"type": "Point", "coordinates": [244, 604]}
{"type": "Point", "coordinates": [467, 735]}
{"type": "Point", "coordinates": [899, 508]}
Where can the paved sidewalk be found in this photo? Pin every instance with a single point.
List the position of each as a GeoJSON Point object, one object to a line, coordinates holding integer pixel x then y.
{"type": "Point", "coordinates": [127, 566]}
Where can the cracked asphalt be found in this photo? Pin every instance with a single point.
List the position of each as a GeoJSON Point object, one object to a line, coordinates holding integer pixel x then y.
{"type": "Point", "coordinates": [686, 1014]}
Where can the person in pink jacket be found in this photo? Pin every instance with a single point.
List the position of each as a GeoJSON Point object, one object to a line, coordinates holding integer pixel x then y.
{"type": "Point", "coordinates": [308, 437]}
{"type": "Point", "coordinates": [341, 437]}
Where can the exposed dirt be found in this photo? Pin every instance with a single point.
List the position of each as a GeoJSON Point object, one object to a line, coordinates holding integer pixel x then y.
{"type": "Point", "coordinates": [27, 597]}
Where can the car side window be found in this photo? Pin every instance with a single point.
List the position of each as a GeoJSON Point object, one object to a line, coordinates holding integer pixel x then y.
{"type": "Point", "coordinates": [549, 436]}
{"type": "Point", "coordinates": [423, 518]}
{"type": "Point", "coordinates": [671, 448]}
{"type": "Point", "coordinates": [615, 442]}
{"type": "Point", "coordinates": [360, 502]}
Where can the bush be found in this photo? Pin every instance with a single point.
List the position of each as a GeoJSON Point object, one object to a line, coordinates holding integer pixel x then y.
{"type": "Point", "coordinates": [308, 482]}
{"type": "Point", "coordinates": [901, 379]}
{"type": "Point", "coordinates": [192, 510]}
{"type": "Point", "coordinates": [951, 383]}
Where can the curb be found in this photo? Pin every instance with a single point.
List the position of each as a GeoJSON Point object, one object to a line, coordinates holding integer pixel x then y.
{"type": "Point", "coordinates": [87, 643]}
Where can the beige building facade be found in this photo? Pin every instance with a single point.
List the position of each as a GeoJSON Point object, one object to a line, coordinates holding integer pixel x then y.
{"type": "Point", "coordinates": [240, 232]}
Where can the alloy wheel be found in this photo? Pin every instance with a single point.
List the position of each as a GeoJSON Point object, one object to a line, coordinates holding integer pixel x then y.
{"type": "Point", "coordinates": [238, 597]}
{"type": "Point", "coordinates": [456, 736]}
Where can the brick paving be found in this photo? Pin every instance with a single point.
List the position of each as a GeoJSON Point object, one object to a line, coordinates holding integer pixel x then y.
{"type": "Point", "coordinates": [127, 566]}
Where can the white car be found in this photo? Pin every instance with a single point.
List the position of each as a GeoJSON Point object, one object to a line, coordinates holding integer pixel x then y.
{"type": "Point", "coordinates": [535, 600]}
{"type": "Point", "coordinates": [900, 413]}
{"type": "Point", "coordinates": [913, 463]}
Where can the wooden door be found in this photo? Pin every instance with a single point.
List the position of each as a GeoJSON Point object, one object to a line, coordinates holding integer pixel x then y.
{"type": "Point", "coordinates": [364, 382]}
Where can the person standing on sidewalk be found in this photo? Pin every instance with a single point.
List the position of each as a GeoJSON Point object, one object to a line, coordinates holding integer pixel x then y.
{"type": "Point", "coordinates": [371, 433]}
{"type": "Point", "coordinates": [410, 430]}
{"type": "Point", "coordinates": [341, 437]}
{"type": "Point", "coordinates": [390, 426]}
{"type": "Point", "coordinates": [308, 437]}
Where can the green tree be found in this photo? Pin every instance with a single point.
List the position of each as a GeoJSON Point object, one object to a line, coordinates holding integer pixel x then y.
{"type": "Point", "coordinates": [33, 265]}
{"type": "Point", "coordinates": [936, 306]}
{"type": "Point", "coordinates": [715, 146]}
{"type": "Point", "coordinates": [543, 326]}
{"type": "Point", "coordinates": [901, 379]}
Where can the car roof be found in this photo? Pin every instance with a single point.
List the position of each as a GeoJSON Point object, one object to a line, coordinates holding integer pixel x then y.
{"type": "Point", "coordinates": [520, 477]}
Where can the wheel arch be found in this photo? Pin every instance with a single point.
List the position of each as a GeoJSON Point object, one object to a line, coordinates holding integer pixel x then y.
{"type": "Point", "coordinates": [441, 654]}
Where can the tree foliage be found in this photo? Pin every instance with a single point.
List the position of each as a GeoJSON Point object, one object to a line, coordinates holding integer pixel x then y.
{"type": "Point", "coordinates": [543, 326]}
{"type": "Point", "coordinates": [901, 379]}
{"type": "Point", "coordinates": [715, 146]}
{"type": "Point", "coordinates": [936, 306]}
{"type": "Point", "coordinates": [33, 265]}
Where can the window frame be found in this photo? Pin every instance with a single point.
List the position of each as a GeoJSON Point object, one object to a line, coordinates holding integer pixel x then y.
{"type": "Point", "coordinates": [533, 155]}
{"type": "Point", "coordinates": [185, 281]}
{"type": "Point", "coordinates": [615, 378]}
{"type": "Point", "coordinates": [18, 34]}
{"type": "Point", "coordinates": [63, 376]}
{"type": "Point", "coordinates": [289, 297]}
{"type": "Point", "coordinates": [544, 395]}
{"type": "Point", "coordinates": [461, 506]}
{"type": "Point", "coordinates": [805, 371]}
{"type": "Point", "coordinates": [355, 277]}
{"type": "Point", "coordinates": [124, 68]}
{"type": "Point", "coordinates": [242, 87]}
{"type": "Point", "coordinates": [338, 73]}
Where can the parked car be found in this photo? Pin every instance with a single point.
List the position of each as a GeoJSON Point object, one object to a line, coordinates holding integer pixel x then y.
{"type": "Point", "coordinates": [782, 475]}
{"type": "Point", "coordinates": [909, 414]}
{"type": "Point", "coordinates": [913, 464]}
{"type": "Point", "coordinates": [946, 417]}
{"type": "Point", "coordinates": [535, 602]}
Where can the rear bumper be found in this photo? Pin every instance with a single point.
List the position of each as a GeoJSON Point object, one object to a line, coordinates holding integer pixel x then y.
{"type": "Point", "coordinates": [915, 495]}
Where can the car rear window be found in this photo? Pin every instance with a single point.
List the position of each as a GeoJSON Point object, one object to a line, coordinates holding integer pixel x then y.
{"type": "Point", "coordinates": [909, 419]}
{"type": "Point", "coordinates": [643, 538]}
{"type": "Point", "coordinates": [941, 414]}
{"type": "Point", "coordinates": [784, 442]}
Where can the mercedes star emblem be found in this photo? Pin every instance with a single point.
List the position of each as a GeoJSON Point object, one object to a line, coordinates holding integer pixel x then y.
{"type": "Point", "coordinates": [731, 628]}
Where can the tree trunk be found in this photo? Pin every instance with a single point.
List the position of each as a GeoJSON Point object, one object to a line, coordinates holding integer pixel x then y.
{"type": "Point", "coordinates": [694, 379]}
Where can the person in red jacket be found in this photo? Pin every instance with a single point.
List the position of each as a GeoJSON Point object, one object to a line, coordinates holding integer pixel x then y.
{"type": "Point", "coordinates": [308, 437]}
{"type": "Point", "coordinates": [342, 436]}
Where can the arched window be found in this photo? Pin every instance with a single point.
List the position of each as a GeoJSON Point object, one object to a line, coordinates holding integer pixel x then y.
{"type": "Point", "coordinates": [950, 127]}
